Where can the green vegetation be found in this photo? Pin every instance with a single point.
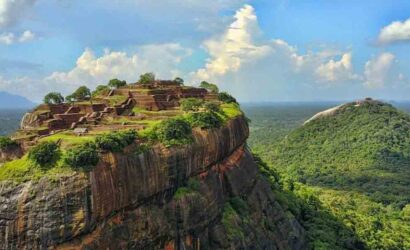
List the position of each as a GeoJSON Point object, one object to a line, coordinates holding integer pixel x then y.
{"type": "Point", "coordinates": [53, 98]}
{"type": "Point", "coordinates": [117, 99]}
{"type": "Point", "coordinates": [174, 131]}
{"type": "Point", "coordinates": [116, 141]}
{"type": "Point", "coordinates": [191, 104]}
{"type": "Point", "coordinates": [231, 110]}
{"type": "Point", "coordinates": [226, 98]}
{"type": "Point", "coordinates": [345, 177]}
{"type": "Point", "coordinates": [45, 154]}
{"type": "Point", "coordinates": [212, 107]}
{"type": "Point", "coordinates": [179, 80]}
{"type": "Point", "coordinates": [192, 187]}
{"type": "Point", "coordinates": [147, 78]}
{"type": "Point", "coordinates": [115, 83]}
{"type": "Point", "coordinates": [100, 90]}
{"type": "Point", "coordinates": [7, 143]}
{"type": "Point", "coordinates": [205, 120]}
{"type": "Point", "coordinates": [232, 222]}
{"type": "Point", "coordinates": [67, 140]}
{"type": "Point", "coordinates": [84, 156]}
{"type": "Point", "coordinates": [210, 87]}
{"type": "Point", "coordinates": [81, 94]}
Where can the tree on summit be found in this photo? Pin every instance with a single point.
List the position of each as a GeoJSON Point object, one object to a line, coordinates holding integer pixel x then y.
{"type": "Point", "coordinates": [53, 98]}
{"type": "Point", "coordinates": [81, 94]}
{"type": "Point", "coordinates": [115, 83]}
{"type": "Point", "coordinates": [179, 80]}
{"type": "Point", "coordinates": [147, 78]}
{"type": "Point", "coordinates": [210, 87]}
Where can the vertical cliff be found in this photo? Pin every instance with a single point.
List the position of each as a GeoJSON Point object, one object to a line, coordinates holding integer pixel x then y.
{"type": "Point", "coordinates": [206, 195]}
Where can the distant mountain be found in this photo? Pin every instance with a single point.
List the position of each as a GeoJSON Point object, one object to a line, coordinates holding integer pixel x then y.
{"type": "Point", "coordinates": [355, 158]}
{"type": "Point", "coordinates": [10, 101]}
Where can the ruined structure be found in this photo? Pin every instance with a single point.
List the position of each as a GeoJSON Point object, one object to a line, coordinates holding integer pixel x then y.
{"type": "Point", "coordinates": [208, 194]}
{"type": "Point", "coordinates": [156, 96]}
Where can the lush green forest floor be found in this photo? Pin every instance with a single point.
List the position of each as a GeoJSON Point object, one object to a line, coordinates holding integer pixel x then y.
{"type": "Point", "coordinates": [366, 208]}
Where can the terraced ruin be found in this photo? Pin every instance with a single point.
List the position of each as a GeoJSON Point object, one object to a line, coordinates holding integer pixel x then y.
{"type": "Point", "coordinates": [156, 165]}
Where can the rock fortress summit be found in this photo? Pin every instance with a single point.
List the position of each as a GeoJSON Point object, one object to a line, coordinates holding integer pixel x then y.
{"type": "Point", "coordinates": [150, 165]}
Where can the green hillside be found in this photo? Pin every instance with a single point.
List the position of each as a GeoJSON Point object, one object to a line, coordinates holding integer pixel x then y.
{"type": "Point", "coordinates": [356, 162]}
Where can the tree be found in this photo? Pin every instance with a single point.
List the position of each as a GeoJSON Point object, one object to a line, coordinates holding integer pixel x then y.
{"type": "Point", "coordinates": [53, 98]}
{"type": "Point", "coordinates": [69, 98]}
{"type": "Point", "coordinates": [210, 87]}
{"type": "Point", "coordinates": [81, 94]}
{"type": "Point", "coordinates": [45, 154]}
{"type": "Point", "coordinates": [100, 89]}
{"type": "Point", "coordinates": [147, 78]}
{"type": "Point", "coordinates": [179, 80]}
{"type": "Point", "coordinates": [227, 98]}
{"type": "Point", "coordinates": [84, 156]}
{"type": "Point", "coordinates": [115, 83]}
{"type": "Point", "coordinates": [175, 131]}
{"type": "Point", "coordinates": [191, 104]}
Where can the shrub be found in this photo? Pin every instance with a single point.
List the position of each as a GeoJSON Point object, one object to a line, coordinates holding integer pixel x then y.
{"type": "Point", "coordinates": [191, 104]}
{"type": "Point", "coordinates": [227, 98]}
{"type": "Point", "coordinates": [84, 156]}
{"type": "Point", "coordinates": [116, 141]}
{"type": "Point", "coordinates": [205, 120]}
{"type": "Point", "coordinates": [53, 98]}
{"type": "Point", "coordinates": [212, 107]}
{"type": "Point", "coordinates": [7, 143]}
{"type": "Point", "coordinates": [45, 154]}
{"type": "Point", "coordinates": [175, 131]}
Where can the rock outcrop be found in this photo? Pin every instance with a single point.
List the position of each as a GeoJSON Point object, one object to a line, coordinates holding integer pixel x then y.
{"type": "Point", "coordinates": [206, 195]}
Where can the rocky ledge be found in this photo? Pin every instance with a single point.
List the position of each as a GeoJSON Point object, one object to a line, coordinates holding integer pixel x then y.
{"type": "Point", "coordinates": [206, 195]}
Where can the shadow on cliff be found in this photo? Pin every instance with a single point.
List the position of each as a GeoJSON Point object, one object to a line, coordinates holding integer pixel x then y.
{"type": "Point", "coordinates": [323, 229]}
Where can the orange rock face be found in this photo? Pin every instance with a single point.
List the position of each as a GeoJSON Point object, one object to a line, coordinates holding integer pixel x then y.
{"type": "Point", "coordinates": [175, 198]}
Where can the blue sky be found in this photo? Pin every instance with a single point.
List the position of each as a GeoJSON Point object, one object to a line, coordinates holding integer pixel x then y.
{"type": "Point", "coordinates": [258, 50]}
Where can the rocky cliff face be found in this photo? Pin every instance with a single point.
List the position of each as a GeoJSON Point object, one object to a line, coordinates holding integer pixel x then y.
{"type": "Point", "coordinates": [207, 195]}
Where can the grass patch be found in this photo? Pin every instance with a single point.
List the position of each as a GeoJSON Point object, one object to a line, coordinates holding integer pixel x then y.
{"type": "Point", "coordinates": [117, 99]}
{"type": "Point", "coordinates": [23, 169]}
{"type": "Point", "coordinates": [231, 110]}
{"type": "Point", "coordinates": [67, 140]}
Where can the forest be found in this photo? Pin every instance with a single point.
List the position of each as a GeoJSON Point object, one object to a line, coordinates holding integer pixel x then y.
{"type": "Point", "coordinates": [345, 177]}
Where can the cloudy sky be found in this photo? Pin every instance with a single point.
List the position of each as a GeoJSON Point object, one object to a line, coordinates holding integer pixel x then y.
{"type": "Point", "coordinates": [261, 50]}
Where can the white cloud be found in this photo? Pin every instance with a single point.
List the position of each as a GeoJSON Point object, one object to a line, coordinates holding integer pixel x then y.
{"type": "Point", "coordinates": [333, 71]}
{"type": "Point", "coordinates": [9, 38]}
{"type": "Point", "coordinates": [26, 36]}
{"type": "Point", "coordinates": [12, 10]}
{"type": "Point", "coordinates": [395, 32]}
{"type": "Point", "coordinates": [91, 70]}
{"type": "Point", "coordinates": [249, 66]}
{"type": "Point", "coordinates": [377, 70]}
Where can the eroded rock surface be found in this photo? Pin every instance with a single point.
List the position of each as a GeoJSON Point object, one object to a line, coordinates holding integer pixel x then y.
{"type": "Point", "coordinates": [207, 195]}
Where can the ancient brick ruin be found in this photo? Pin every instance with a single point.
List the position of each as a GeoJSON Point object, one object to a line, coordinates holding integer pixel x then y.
{"type": "Point", "coordinates": [156, 96]}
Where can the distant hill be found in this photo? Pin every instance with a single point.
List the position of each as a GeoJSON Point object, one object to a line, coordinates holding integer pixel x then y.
{"type": "Point", "coordinates": [10, 101]}
{"type": "Point", "coordinates": [355, 159]}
